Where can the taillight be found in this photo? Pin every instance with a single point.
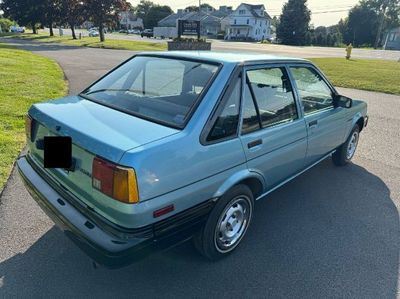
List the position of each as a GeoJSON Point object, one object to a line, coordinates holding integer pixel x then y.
{"type": "Point", "coordinates": [115, 181]}
{"type": "Point", "coordinates": [28, 127]}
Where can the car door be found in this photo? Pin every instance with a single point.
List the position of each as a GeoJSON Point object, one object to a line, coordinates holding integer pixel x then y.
{"type": "Point", "coordinates": [273, 133]}
{"type": "Point", "coordinates": [325, 123]}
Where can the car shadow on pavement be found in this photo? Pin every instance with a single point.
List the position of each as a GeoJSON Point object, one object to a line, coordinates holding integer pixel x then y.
{"type": "Point", "coordinates": [332, 232]}
{"type": "Point", "coordinates": [35, 46]}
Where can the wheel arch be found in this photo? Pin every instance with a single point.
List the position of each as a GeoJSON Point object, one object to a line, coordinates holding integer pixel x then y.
{"type": "Point", "coordinates": [358, 119]}
{"type": "Point", "coordinates": [360, 123]}
{"type": "Point", "coordinates": [251, 179]}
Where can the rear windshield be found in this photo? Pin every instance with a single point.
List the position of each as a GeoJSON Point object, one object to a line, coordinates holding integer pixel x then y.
{"type": "Point", "coordinates": [160, 89]}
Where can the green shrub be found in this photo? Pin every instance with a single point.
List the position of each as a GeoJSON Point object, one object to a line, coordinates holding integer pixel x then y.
{"type": "Point", "coordinates": [5, 24]}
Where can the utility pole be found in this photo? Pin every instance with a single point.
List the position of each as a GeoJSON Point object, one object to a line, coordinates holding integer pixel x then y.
{"type": "Point", "coordinates": [199, 32]}
{"type": "Point", "coordinates": [381, 20]}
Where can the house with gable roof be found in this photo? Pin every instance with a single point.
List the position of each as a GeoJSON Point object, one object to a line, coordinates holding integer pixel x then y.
{"type": "Point", "coordinates": [248, 22]}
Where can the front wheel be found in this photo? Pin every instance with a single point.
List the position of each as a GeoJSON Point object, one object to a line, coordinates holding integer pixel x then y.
{"type": "Point", "coordinates": [346, 151]}
{"type": "Point", "coordinates": [227, 223]}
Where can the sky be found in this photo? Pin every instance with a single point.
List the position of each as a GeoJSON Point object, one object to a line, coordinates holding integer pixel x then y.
{"type": "Point", "coordinates": [324, 12]}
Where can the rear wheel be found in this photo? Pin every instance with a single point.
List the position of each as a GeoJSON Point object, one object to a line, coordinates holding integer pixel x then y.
{"type": "Point", "coordinates": [227, 223]}
{"type": "Point", "coordinates": [346, 151]}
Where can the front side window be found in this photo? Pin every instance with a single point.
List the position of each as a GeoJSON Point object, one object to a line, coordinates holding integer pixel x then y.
{"type": "Point", "coordinates": [314, 92]}
{"type": "Point", "coordinates": [273, 93]}
{"type": "Point", "coordinates": [227, 122]}
{"type": "Point", "coordinates": [159, 89]}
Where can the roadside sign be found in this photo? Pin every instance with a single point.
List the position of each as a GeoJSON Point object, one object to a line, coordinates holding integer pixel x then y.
{"type": "Point", "coordinates": [186, 27]}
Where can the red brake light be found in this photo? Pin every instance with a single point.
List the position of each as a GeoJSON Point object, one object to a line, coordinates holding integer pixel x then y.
{"type": "Point", "coordinates": [115, 181]}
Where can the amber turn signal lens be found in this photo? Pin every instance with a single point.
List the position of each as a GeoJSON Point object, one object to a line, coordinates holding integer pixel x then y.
{"type": "Point", "coordinates": [125, 186]}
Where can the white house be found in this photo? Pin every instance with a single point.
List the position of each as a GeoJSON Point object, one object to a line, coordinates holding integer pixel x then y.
{"type": "Point", "coordinates": [128, 20]}
{"type": "Point", "coordinates": [248, 22]}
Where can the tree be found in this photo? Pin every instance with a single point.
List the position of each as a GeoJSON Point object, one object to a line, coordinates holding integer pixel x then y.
{"type": "Point", "coordinates": [5, 24]}
{"type": "Point", "coordinates": [196, 7]}
{"type": "Point", "coordinates": [151, 13]}
{"type": "Point", "coordinates": [308, 38]}
{"type": "Point", "coordinates": [361, 26]}
{"type": "Point", "coordinates": [157, 13]}
{"type": "Point", "coordinates": [103, 12]}
{"type": "Point", "coordinates": [51, 13]}
{"type": "Point", "coordinates": [72, 13]}
{"type": "Point", "coordinates": [320, 39]}
{"type": "Point", "coordinates": [25, 12]}
{"type": "Point", "coordinates": [294, 22]}
{"type": "Point", "coordinates": [388, 11]}
{"type": "Point", "coordinates": [142, 10]}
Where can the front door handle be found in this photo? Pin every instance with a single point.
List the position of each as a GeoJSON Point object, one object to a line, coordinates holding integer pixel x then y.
{"type": "Point", "coordinates": [313, 123]}
{"type": "Point", "coordinates": [254, 143]}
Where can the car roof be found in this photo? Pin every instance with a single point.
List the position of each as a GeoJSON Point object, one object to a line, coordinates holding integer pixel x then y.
{"type": "Point", "coordinates": [226, 57]}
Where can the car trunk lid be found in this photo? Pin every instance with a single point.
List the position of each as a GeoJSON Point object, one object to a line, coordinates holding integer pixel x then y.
{"type": "Point", "coordinates": [95, 130]}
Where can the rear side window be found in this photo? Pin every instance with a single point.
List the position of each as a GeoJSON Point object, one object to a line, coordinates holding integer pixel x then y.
{"type": "Point", "coordinates": [227, 122]}
{"type": "Point", "coordinates": [273, 93]}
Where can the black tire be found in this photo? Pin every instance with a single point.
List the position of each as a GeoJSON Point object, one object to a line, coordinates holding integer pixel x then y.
{"type": "Point", "coordinates": [208, 241]}
{"type": "Point", "coordinates": [342, 157]}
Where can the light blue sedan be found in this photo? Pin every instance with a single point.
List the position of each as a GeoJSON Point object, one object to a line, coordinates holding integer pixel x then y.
{"type": "Point", "coordinates": [170, 146]}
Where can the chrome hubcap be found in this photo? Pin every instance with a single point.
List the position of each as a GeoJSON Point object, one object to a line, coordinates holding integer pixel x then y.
{"type": "Point", "coordinates": [232, 224]}
{"type": "Point", "coordinates": [351, 147]}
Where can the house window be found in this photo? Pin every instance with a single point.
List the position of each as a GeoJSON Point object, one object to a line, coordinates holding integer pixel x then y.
{"type": "Point", "coordinates": [242, 11]}
{"type": "Point", "coordinates": [235, 21]}
{"type": "Point", "coordinates": [248, 21]}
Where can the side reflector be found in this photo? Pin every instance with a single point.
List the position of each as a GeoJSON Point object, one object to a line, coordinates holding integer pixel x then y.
{"type": "Point", "coordinates": [163, 211]}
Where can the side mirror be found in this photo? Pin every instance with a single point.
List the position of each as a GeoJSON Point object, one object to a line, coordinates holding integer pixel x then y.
{"type": "Point", "coordinates": [342, 101]}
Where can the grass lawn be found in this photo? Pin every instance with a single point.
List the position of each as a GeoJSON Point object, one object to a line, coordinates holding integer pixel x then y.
{"type": "Point", "coordinates": [366, 74]}
{"type": "Point", "coordinates": [92, 42]}
{"type": "Point", "coordinates": [25, 78]}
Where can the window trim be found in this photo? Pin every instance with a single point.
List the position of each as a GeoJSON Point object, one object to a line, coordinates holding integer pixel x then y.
{"type": "Point", "coordinates": [237, 73]}
{"type": "Point", "coordinates": [323, 77]}
{"type": "Point", "coordinates": [192, 109]}
{"type": "Point", "coordinates": [294, 93]}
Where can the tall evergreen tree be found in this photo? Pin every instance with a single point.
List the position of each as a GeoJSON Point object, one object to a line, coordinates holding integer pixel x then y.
{"type": "Point", "coordinates": [294, 22]}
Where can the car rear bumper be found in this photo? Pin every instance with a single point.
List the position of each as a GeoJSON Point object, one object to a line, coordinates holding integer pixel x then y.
{"type": "Point", "coordinates": [108, 245]}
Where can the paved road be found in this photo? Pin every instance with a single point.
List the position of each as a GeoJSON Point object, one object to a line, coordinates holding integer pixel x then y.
{"type": "Point", "coordinates": [332, 232]}
{"type": "Point", "coordinates": [305, 52]}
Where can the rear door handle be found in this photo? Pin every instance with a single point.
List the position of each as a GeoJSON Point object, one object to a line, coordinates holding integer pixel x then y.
{"type": "Point", "coordinates": [313, 123]}
{"type": "Point", "coordinates": [254, 143]}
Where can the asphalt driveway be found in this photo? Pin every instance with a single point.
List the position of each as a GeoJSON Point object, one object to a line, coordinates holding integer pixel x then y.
{"type": "Point", "coordinates": [331, 232]}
